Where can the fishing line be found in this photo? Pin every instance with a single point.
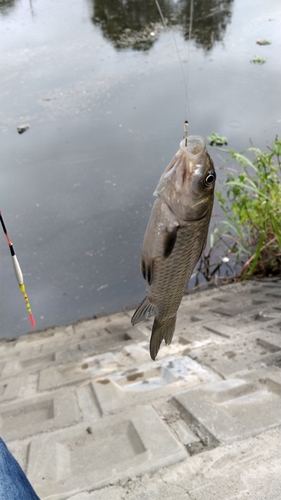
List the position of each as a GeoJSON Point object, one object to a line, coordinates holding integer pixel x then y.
{"type": "Point", "coordinates": [185, 79]}
{"type": "Point", "coordinates": [190, 28]}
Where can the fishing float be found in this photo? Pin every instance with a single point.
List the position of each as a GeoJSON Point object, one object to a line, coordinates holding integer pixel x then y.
{"type": "Point", "coordinates": [18, 271]}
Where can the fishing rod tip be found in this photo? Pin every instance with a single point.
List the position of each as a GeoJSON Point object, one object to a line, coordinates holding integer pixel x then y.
{"type": "Point", "coordinates": [32, 321]}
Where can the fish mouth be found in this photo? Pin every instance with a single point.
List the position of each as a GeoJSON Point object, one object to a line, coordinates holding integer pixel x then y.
{"type": "Point", "coordinates": [194, 149]}
{"type": "Point", "coordinates": [191, 150]}
{"type": "Point", "coordinates": [186, 164]}
{"type": "Point", "coordinates": [194, 145]}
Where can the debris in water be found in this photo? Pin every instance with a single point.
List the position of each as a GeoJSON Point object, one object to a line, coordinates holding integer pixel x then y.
{"type": "Point", "coordinates": [22, 128]}
{"type": "Point", "coordinates": [263, 42]}
{"type": "Point", "coordinates": [217, 139]}
{"type": "Point", "coordinates": [258, 60]}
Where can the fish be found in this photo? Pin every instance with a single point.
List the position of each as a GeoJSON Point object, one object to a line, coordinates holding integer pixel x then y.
{"type": "Point", "coordinates": [175, 236]}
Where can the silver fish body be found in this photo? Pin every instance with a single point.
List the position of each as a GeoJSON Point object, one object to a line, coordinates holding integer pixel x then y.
{"type": "Point", "coordinates": [175, 236]}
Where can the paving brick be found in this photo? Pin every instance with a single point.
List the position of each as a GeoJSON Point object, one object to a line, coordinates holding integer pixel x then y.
{"type": "Point", "coordinates": [269, 376]}
{"type": "Point", "coordinates": [243, 303]}
{"type": "Point", "coordinates": [245, 470]}
{"type": "Point", "coordinates": [68, 354]}
{"type": "Point", "coordinates": [18, 387]}
{"type": "Point", "coordinates": [86, 329]}
{"type": "Point", "coordinates": [121, 319]}
{"type": "Point", "coordinates": [43, 337]}
{"type": "Point", "coordinates": [6, 348]}
{"type": "Point", "coordinates": [40, 414]}
{"type": "Point", "coordinates": [2, 365]}
{"type": "Point", "coordinates": [71, 373]}
{"type": "Point", "coordinates": [117, 447]}
{"type": "Point", "coordinates": [88, 346]}
{"type": "Point", "coordinates": [9, 389]}
{"type": "Point", "coordinates": [248, 469]}
{"type": "Point", "coordinates": [204, 332]}
{"type": "Point", "coordinates": [97, 341]}
{"type": "Point", "coordinates": [89, 405]}
{"type": "Point", "coordinates": [231, 409]}
{"type": "Point", "coordinates": [184, 433]}
{"type": "Point", "coordinates": [150, 381]}
{"type": "Point", "coordinates": [20, 450]}
{"type": "Point", "coordinates": [271, 360]}
{"type": "Point", "coordinates": [136, 353]}
{"type": "Point", "coordinates": [96, 429]}
{"type": "Point", "coordinates": [60, 340]}
{"type": "Point", "coordinates": [244, 353]}
{"type": "Point", "coordinates": [20, 365]}
{"type": "Point", "coordinates": [30, 352]}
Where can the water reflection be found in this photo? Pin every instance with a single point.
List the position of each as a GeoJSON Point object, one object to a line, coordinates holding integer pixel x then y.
{"type": "Point", "coordinates": [210, 20]}
{"type": "Point", "coordinates": [128, 23]}
{"type": "Point", "coordinates": [137, 24]}
{"type": "Point", "coordinates": [7, 5]}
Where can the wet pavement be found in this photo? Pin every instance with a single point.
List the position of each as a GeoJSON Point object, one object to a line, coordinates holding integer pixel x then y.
{"type": "Point", "coordinates": [90, 416]}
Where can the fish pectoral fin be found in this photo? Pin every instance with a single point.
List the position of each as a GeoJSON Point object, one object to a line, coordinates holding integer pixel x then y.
{"type": "Point", "coordinates": [144, 311]}
{"type": "Point", "coordinates": [170, 241]}
{"type": "Point", "coordinates": [147, 269]}
{"type": "Point", "coordinates": [164, 331]}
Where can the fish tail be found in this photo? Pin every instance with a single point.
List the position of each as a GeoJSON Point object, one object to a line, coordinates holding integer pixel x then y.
{"type": "Point", "coordinates": [161, 331]}
{"type": "Point", "coordinates": [144, 311]}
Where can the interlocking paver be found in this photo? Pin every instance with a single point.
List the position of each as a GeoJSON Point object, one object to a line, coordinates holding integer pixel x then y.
{"type": "Point", "coordinates": [84, 406]}
{"type": "Point", "coordinates": [231, 357]}
{"type": "Point", "coordinates": [87, 457]}
{"type": "Point", "coordinates": [244, 470]}
{"type": "Point", "coordinates": [231, 409]}
{"type": "Point", "coordinates": [18, 387]}
{"type": "Point", "coordinates": [41, 414]}
{"type": "Point", "coordinates": [71, 373]}
{"type": "Point", "coordinates": [147, 382]}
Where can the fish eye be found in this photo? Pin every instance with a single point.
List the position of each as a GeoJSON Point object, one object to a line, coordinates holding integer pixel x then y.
{"type": "Point", "coordinates": [210, 178]}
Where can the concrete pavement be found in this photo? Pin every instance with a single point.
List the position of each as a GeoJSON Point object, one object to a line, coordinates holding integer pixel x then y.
{"type": "Point", "coordinates": [89, 416]}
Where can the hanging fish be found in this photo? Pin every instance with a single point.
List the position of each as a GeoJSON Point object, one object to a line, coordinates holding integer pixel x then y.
{"type": "Point", "coordinates": [175, 236]}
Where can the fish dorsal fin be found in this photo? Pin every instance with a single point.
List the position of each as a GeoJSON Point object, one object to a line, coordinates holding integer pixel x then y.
{"type": "Point", "coordinates": [170, 241]}
{"type": "Point", "coordinates": [144, 311]}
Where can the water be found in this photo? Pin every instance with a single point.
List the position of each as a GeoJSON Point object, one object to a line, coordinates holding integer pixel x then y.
{"type": "Point", "coordinates": [101, 87]}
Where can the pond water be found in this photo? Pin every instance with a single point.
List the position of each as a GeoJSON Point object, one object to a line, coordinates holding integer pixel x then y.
{"type": "Point", "coordinates": [100, 84]}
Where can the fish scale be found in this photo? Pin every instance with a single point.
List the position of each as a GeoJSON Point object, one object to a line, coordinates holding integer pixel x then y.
{"type": "Point", "coordinates": [175, 236]}
{"type": "Point", "coordinates": [174, 274]}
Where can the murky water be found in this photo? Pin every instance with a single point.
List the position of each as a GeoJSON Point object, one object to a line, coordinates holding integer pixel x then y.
{"type": "Point", "coordinates": [101, 87]}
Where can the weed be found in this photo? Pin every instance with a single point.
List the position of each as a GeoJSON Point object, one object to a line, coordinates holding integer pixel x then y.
{"type": "Point", "coordinates": [217, 139]}
{"type": "Point", "coordinates": [258, 60]}
{"type": "Point", "coordinates": [252, 205]}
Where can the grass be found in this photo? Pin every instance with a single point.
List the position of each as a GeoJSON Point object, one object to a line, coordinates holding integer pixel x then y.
{"type": "Point", "coordinates": [247, 242]}
{"type": "Point", "coordinates": [251, 202]}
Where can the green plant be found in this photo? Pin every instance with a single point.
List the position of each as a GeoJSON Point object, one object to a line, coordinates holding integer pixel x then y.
{"type": "Point", "coordinates": [217, 139]}
{"type": "Point", "coordinates": [252, 205]}
{"type": "Point", "coordinates": [258, 60]}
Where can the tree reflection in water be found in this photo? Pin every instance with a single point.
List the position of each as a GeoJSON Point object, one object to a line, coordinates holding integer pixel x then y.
{"type": "Point", "coordinates": [137, 24]}
{"type": "Point", "coordinates": [6, 6]}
